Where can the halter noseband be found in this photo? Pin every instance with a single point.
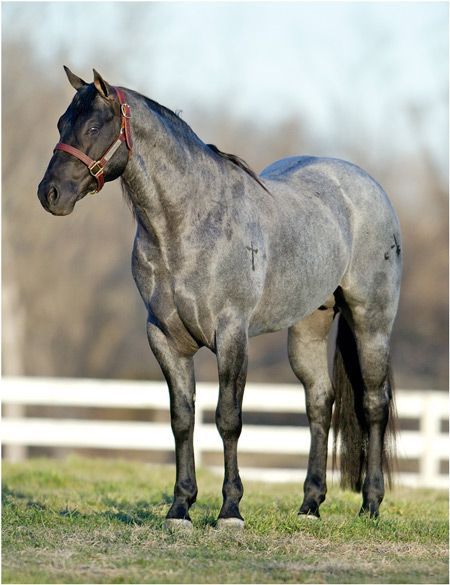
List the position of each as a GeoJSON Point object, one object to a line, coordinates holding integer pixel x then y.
{"type": "Point", "coordinates": [97, 167]}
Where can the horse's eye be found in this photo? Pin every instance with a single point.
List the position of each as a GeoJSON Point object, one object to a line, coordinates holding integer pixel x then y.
{"type": "Point", "coordinates": [93, 130]}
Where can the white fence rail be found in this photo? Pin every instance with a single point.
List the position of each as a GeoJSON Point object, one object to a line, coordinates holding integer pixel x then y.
{"type": "Point", "coordinates": [427, 447]}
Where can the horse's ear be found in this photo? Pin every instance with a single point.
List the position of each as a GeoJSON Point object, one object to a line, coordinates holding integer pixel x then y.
{"type": "Point", "coordinates": [75, 81]}
{"type": "Point", "coordinates": [103, 88]}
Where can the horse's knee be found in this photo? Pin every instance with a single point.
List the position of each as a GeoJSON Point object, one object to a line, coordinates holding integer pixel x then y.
{"type": "Point", "coordinates": [229, 421]}
{"type": "Point", "coordinates": [182, 419]}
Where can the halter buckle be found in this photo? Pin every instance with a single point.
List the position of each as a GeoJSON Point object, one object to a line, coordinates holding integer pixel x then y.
{"type": "Point", "coordinates": [125, 109]}
{"type": "Point", "coordinates": [95, 172]}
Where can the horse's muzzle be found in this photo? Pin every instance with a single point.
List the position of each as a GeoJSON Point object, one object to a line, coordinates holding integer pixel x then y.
{"type": "Point", "coordinates": [50, 198]}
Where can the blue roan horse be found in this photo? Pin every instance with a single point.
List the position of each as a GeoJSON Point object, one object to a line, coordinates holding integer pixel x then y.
{"type": "Point", "coordinates": [221, 255]}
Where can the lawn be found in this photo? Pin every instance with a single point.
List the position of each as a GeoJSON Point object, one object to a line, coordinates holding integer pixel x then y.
{"type": "Point", "coordinates": [101, 521]}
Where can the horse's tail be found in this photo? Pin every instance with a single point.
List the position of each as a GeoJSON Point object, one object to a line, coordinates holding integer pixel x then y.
{"type": "Point", "coordinates": [349, 421]}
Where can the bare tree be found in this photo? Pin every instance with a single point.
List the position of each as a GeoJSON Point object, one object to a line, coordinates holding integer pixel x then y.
{"type": "Point", "coordinates": [70, 307]}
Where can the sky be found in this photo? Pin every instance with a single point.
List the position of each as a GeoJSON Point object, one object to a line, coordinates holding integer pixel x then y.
{"type": "Point", "coordinates": [367, 63]}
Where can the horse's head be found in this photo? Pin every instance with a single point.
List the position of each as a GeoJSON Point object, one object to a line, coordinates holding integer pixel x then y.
{"type": "Point", "coordinates": [95, 142]}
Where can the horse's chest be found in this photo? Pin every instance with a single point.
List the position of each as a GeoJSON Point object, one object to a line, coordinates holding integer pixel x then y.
{"type": "Point", "coordinates": [174, 303]}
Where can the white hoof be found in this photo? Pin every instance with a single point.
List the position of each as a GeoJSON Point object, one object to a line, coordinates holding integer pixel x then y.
{"type": "Point", "coordinates": [307, 517]}
{"type": "Point", "coordinates": [177, 524]}
{"type": "Point", "coordinates": [230, 523]}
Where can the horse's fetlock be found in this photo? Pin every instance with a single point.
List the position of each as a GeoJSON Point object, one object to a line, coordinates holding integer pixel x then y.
{"type": "Point", "coordinates": [315, 488]}
{"type": "Point", "coordinates": [373, 490]}
{"type": "Point", "coordinates": [233, 489]}
{"type": "Point", "coordinates": [186, 488]}
{"type": "Point", "coordinates": [179, 510]}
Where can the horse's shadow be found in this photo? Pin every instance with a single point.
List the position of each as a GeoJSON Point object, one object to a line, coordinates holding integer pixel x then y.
{"type": "Point", "coordinates": [153, 514]}
{"type": "Point", "coordinates": [135, 513]}
{"type": "Point", "coordinates": [8, 494]}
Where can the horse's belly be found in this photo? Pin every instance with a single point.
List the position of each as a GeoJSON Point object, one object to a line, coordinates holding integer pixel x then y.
{"type": "Point", "coordinates": [298, 284]}
{"type": "Point", "coordinates": [292, 308]}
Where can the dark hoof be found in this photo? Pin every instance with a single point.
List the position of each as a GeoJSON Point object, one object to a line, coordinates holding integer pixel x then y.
{"type": "Point", "coordinates": [179, 511]}
{"type": "Point", "coordinates": [371, 511]}
{"type": "Point", "coordinates": [309, 509]}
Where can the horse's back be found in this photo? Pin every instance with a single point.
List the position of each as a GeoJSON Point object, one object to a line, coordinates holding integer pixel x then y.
{"type": "Point", "coordinates": [330, 179]}
{"type": "Point", "coordinates": [284, 167]}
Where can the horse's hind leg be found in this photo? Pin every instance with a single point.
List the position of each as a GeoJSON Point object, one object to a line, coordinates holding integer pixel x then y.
{"type": "Point", "coordinates": [231, 350]}
{"type": "Point", "coordinates": [179, 373]}
{"type": "Point", "coordinates": [371, 323]}
{"type": "Point", "coordinates": [307, 347]}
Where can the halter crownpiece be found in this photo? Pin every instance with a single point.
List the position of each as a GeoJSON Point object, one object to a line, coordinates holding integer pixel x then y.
{"type": "Point", "coordinates": [97, 167]}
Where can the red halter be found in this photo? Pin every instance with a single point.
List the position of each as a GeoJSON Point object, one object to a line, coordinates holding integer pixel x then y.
{"type": "Point", "coordinates": [97, 167]}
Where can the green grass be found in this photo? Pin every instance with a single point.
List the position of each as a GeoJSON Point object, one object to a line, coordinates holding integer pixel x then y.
{"type": "Point", "coordinates": [101, 521]}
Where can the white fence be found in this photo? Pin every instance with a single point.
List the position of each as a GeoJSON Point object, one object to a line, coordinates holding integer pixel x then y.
{"type": "Point", "coordinates": [427, 448]}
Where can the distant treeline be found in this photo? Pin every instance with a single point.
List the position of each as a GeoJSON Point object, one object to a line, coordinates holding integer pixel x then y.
{"type": "Point", "coordinates": [70, 307]}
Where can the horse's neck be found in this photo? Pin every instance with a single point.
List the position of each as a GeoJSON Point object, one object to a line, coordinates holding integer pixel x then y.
{"type": "Point", "coordinates": [160, 179]}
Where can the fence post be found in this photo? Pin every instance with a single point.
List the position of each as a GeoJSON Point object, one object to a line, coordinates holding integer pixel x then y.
{"type": "Point", "coordinates": [429, 426]}
{"type": "Point", "coordinates": [14, 453]}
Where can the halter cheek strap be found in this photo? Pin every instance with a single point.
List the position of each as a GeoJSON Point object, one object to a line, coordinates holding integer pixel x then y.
{"type": "Point", "coordinates": [97, 167]}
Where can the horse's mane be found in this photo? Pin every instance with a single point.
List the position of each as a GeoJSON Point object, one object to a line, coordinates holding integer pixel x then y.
{"type": "Point", "coordinates": [238, 161]}
{"type": "Point", "coordinates": [173, 117]}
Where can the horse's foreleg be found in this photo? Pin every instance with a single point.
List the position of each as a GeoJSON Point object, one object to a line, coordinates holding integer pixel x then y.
{"type": "Point", "coordinates": [179, 373]}
{"type": "Point", "coordinates": [231, 350]}
{"type": "Point", "coordinates": [307, 348]}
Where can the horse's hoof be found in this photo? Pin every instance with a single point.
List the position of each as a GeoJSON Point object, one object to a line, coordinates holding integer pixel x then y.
{"type": "Point", "coordinates": [230, 523]}
{"type": "Point", "coordinates": [177, 524]}
{"type": "Point", "coordinates": [303, 516]}
{"type": "Point", "coordinates": [373, 516]}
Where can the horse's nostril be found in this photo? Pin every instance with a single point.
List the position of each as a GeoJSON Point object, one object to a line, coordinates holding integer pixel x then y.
{"type": "Point", "coordinates": [52, 195]}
